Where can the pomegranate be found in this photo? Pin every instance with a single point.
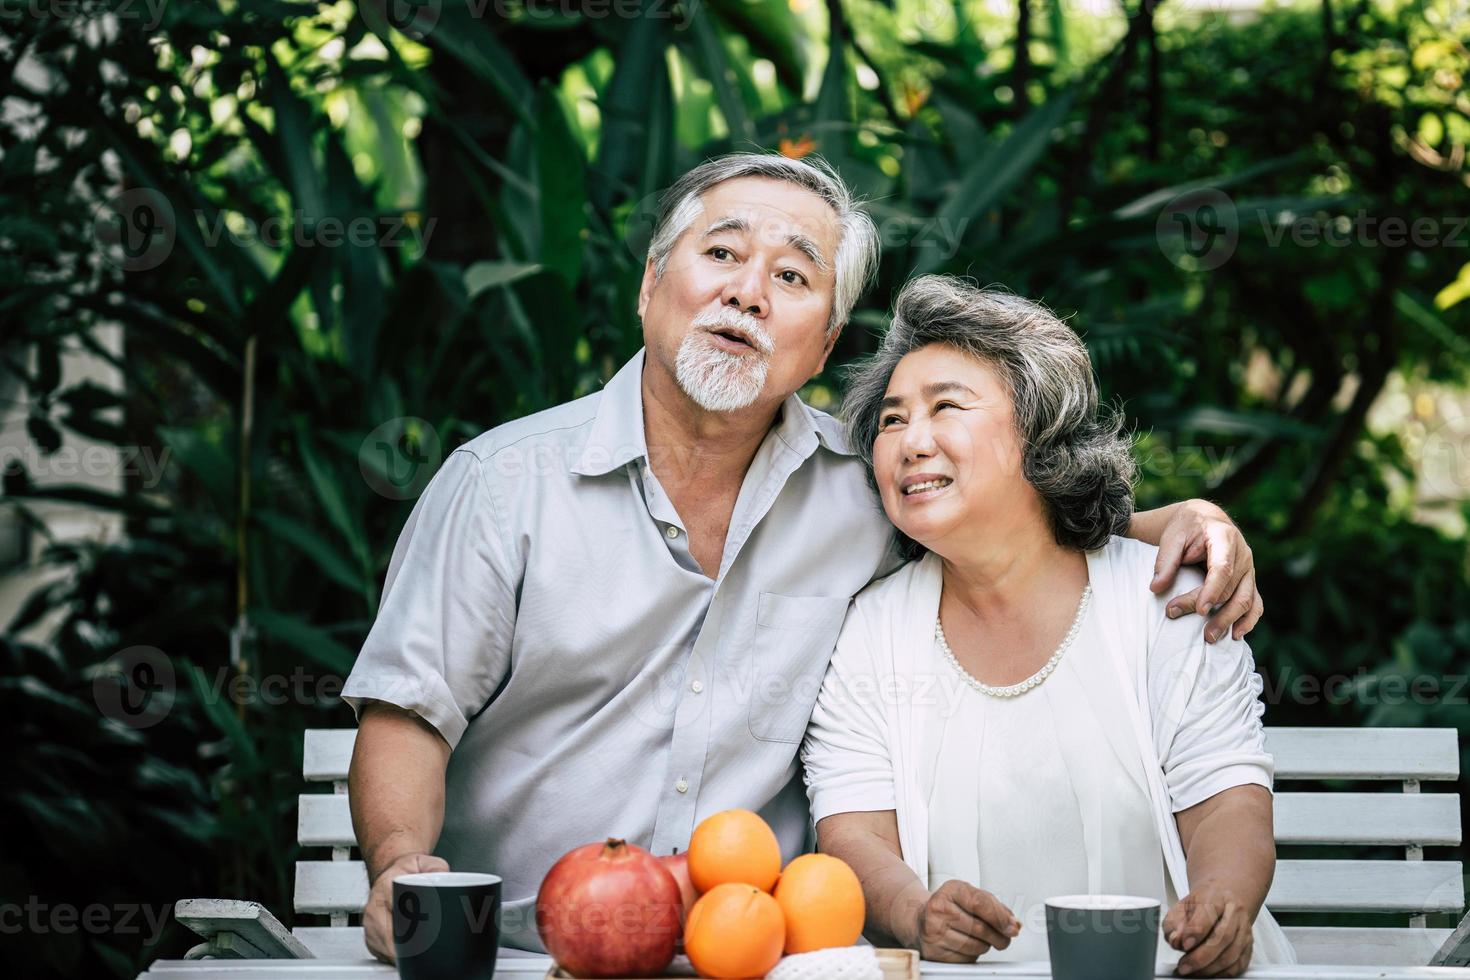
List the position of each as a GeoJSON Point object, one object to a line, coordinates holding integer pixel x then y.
{"type": "Point", "coordinates": [678, 865]}
{"type": "Point", "coordinates": [609, 910]}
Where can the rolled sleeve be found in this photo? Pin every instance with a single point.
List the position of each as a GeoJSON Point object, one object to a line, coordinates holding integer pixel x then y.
{"type": "Point", "coordinates": [1207, 710]}
{"type": "Point", "coordinates": [845, 754]}
{"type": "Point", "coordinates": [440, 645]}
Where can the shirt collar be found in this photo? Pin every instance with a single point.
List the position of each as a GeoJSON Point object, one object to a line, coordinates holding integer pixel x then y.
{"type": "Point", "coordinates": [617, 436]}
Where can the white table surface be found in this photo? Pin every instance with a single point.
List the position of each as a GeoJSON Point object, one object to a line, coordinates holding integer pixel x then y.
{"type": "Point", "coordinates": [519, 965]}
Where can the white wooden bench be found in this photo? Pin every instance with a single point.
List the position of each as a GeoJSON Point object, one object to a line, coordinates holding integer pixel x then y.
{"type": "Point", "coordinates": [1411, 887]}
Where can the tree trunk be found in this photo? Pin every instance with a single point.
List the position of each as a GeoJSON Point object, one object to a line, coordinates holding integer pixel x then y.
{"type": "Point", "coordinates": [1021, 70]}
{"type": "Point", "coordinates": [1155, 106]}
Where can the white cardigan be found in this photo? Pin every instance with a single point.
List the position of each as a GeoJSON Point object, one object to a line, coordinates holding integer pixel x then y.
{"type": "Point", "coordinates": [1192, 709]}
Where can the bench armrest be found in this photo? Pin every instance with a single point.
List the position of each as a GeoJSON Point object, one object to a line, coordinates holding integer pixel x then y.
{"type": "Point", "coordinates": [238, 930]}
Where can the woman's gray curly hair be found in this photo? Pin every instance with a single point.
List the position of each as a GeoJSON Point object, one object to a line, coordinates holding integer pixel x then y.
{"type": "Point", "coordinates": [1073, 449]}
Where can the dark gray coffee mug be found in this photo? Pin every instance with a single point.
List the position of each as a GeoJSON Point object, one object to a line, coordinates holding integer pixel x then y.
{"type": "Point", "coordinates": [1102, 937]}
{"type": "Point", "coordinates": [446, 925]}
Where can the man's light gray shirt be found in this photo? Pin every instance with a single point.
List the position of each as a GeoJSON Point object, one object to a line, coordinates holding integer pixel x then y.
{"type": "Point", "coordinates": [542, 610]}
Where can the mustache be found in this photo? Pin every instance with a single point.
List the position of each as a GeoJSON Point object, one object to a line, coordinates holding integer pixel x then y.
{"type": "Point", "coordinates": [729, 318]}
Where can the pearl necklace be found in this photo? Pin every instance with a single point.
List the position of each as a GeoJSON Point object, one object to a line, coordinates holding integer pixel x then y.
{"type": "Point", "coordinates": [1022, 687]}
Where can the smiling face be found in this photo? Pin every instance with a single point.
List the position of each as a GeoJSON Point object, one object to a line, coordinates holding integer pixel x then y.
{"type": "Point", "coordinates": [739, 315]}
{"type": "Point", "coordinates": [947, 457]}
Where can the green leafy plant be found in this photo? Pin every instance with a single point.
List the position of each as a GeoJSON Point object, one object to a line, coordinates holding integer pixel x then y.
{"type": "Point", "coordinates": [303, 382]}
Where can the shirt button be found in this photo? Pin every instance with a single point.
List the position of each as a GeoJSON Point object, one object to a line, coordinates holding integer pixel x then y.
{"type": "Point", "coordinates": [672, 532]}
{"type": "Point", "coordinates": [682, 786]}
{"type": "Point", "coordinates": [696, 687]}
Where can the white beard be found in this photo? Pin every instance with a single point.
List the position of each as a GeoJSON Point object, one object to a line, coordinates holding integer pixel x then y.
{"type": "Point", "coordinates": [718, 380]}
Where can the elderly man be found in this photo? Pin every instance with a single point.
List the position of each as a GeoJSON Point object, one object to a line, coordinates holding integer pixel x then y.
{"type": "Point", "coordinates": [613, 617]}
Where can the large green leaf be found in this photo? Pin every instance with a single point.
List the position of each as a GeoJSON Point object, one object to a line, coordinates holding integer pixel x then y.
{"type": "Point", "coordinates": [703, 43]}
{"type": "Point", "coordinates": [204, 454]}
{"type": "Point", "coordinates": [637, 136]}
{"type": "Point", "coordinates": [561, 186]}
{"type": "Point", "coordinates": [996, 170]}
{"type": "Point", "coordinates": [313, 643]}
{"type": "Point", "coordinates": [222, 264]}
{"type": "Point", "coordinates": [1232, 422]}
{"type": "Point", "coordinates": [772, 30]}
{"type": "Point", "coordinates": [492, 275]}
{"type": "Point", "coordinates": [1149, 204]}
{"type": "Point", "coordinates": [294, 125]}
{"type": "Point", "coordinates": [337, 566]}
{"type": "Point", "coordinates": [1424, 316]}
{"type": "Point", "coordinates": [364, 296]}
{"type": "Point", "coordinates": [471, 40]}
{"type": "Point", "coordinates": [327, 485]}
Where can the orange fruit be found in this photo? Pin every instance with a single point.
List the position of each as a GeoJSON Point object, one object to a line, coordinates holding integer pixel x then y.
{"type": "Point", "coordinates": [822, 901]}
{"type": "Point", "coordinates": [734, 846]}
{"type": "Point", "coordinates": [735, 930]}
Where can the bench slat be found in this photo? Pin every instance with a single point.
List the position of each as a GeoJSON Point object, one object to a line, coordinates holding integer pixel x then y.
{"type": "Point", "coordinates": [323, 887]}
{"type": "Point", "coordinates": [1367, 886]}
{"type": "Point", "coordinates": [1301, 753]}
{"type": "Point", "coordinates": [326, 752]}
{"type": "Point", "coordinates": [1364, 753]}
{"type": "Point", "coordinates": [1363, 947]}
{"type": "Point", "coordinates": [1300, 886]}
{"type": "Point", "coordinates": [1430, 819]}
{"type": "Point", "coordinates": [1367, 818]}
{"type": "Point", "coordinates": [324, 820]}
{"type": "Point", "coordinates": [325, 943]}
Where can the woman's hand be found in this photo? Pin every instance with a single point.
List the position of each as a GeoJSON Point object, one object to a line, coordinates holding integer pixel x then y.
{"type": "Point", "coordinates": [1213, 928]}
{"type": "Point", "coordinates": [960, 922]}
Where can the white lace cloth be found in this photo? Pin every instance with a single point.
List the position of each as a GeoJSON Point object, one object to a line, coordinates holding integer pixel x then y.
{"type": "Point", "coordinates": [843, 963]}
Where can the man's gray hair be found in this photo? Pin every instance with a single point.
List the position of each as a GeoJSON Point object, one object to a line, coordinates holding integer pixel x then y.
{"type": "Point", "coordinates": [857, 245]}
{"type": "Point", "coordinates": [1073, 449]}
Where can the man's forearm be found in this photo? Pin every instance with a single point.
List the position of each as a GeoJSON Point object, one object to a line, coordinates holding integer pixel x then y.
{"type": "Point", "coordinates": [396, 785]}
{"type": "Point", "coordinates": [1148, 525]}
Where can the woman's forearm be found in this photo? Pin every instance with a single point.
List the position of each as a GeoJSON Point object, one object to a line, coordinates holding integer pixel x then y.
{"type": "Point", "coordinates": [893, 893]}
{"type": "Point", "coordinates": [1230, 845]}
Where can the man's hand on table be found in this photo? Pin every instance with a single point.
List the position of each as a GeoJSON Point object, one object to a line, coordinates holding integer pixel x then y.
{"type": "Point", "coordinates": [377, 915]}
{"type": "Point", "coordinates": [960, 922]}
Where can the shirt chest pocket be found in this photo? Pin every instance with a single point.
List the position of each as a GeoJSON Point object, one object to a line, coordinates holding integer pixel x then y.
{"type": "Point", "coordinates": [794, 637]}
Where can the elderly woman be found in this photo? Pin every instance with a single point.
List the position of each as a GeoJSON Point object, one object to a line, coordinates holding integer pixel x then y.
{"type": "Point", "coordinates": [1012, 715]}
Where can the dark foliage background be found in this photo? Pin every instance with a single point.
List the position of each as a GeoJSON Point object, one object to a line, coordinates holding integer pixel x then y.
{"type": "Point", "coordinates": [177, 170]}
